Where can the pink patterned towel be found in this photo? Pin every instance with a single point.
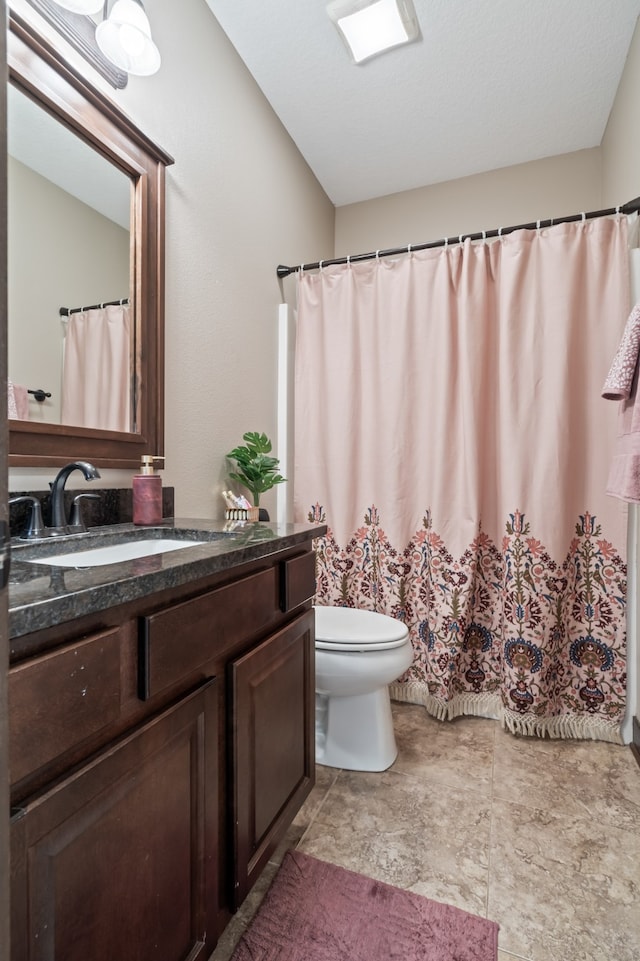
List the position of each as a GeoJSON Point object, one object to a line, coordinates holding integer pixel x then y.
{"type": "Point", "coordinates": [17, 401]}
{"type": "Point", "coordinates": [622, 385]}
{"type": "Point", "coordinates": [619, 380]}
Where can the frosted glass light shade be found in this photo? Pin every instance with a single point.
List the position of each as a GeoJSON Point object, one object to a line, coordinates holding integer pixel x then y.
{"type": "Point", "coordinates": [81, 6]}
{"type": "Point", "coordinates": [369, 27]}
{"type": "Point", "coordinates": [125, 39]}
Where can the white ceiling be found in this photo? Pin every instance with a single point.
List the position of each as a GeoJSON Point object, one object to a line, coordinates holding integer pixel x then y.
{"type": "Point", "coordinates": [491, 83]}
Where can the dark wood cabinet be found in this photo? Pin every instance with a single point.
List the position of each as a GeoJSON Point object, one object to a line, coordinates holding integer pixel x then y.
{"type": "Point", "coordinates": [273, 744]}
{"type": "Point", "coordinates": [61, 698]}
{"type": "Point", "coordinates": [158, 754]}
{"type": "Point", "coordinates": [124, 846]}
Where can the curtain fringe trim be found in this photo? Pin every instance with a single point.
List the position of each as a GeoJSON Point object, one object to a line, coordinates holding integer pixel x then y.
{"type": "Point", "coordinates": [567, 726]}
{"type": "Point", "coordinates": [490, 706]}
{"type": "Point", "coordinates": [477, 705]}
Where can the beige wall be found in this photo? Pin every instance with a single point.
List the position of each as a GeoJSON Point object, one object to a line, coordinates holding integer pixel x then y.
{"type": "Point", "coordinates": [621, 142]}
{"type": "Point", "coordinates": [586, 180]}
{"type": "Point", "coordinates": [240, 200]}
{"type": "Point", "coordinates": [513, 195]}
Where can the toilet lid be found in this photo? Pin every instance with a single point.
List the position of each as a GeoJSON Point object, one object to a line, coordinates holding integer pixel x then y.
{"type": "Point", "coordinates": [346, 629]}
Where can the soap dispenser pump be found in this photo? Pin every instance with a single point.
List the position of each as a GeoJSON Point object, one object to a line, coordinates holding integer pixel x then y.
{"type": "Point", "coordinates": [147, 493]}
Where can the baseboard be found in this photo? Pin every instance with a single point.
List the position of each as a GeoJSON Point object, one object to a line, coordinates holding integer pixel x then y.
{"type": "Point", "coordinates": [635, 744]}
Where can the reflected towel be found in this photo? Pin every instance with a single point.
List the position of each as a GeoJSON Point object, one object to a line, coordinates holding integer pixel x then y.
{"type": "Point", "coordinates": [17, 402]}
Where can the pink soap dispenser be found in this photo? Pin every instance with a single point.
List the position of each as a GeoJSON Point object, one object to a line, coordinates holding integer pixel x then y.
{"type": "Point", "coordinates": [147, 493]}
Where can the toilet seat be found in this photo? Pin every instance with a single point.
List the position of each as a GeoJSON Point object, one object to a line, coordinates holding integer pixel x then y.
{"type": "Point", "coordinates": [348, 630]}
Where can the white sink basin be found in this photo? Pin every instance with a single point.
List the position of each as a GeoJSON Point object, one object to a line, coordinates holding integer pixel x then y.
{"type": "Point", "coordinates": [115, 553]}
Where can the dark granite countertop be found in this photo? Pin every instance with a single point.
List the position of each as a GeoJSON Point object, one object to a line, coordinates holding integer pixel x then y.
{"type": "Point", "coordinates": [41, 595]}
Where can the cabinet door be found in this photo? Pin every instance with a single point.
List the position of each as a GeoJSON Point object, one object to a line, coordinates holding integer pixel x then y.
{"type": "Point", "coordinates": [273, 744]}
{"type": "Point", "coordinates": [117, 861]}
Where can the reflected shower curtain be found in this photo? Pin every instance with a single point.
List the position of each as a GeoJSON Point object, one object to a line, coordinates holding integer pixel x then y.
{"type": "Point", "coordinates": [449, 430]}
{"type": "Point", "coordinates": [96, 378]}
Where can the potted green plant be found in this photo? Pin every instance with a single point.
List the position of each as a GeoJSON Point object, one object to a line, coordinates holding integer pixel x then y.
{"type": "Point", "coordinates": [257, 470]}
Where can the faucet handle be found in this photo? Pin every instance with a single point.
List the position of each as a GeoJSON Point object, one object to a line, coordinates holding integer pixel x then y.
{"type": "Point", "coordinates": [76, 521]}
{"type": "Point", "coordinates": [34, 526]}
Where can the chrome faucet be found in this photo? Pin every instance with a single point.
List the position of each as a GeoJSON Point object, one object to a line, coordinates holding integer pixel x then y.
{"type": "Point", "coordinates": [58, 513]}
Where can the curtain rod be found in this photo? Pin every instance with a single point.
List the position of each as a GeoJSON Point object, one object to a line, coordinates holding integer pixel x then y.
{"type": "Point", "coordinates": [633, 206]}
{"type": "Point", "coordinates": [65, 311]}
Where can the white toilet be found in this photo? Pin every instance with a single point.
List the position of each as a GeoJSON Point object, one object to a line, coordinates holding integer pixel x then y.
{"type": "Point", "coordinates": [358, 654]}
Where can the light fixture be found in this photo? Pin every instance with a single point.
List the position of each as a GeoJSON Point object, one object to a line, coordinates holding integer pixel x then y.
{"type": "Point", "coordinates": [85, 7]}
{"type": "Point", "coordinates": [369, 27]}
{"type": "Point", "coordinates": [125, 39]}
{"type": "Point", "coordinates": [119, 45]}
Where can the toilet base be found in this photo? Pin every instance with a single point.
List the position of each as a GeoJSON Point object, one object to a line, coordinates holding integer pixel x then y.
{"type": "Point", "coordinates": [355, 733]}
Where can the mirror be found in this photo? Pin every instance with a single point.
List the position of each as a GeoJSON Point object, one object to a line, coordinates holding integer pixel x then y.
{"type": "Point", "coordinates": [71, 248]}
{"type": "Point", "coordinates": [68, 224]}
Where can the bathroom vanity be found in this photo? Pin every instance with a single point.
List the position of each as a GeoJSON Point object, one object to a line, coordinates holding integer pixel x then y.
{"type": "Point", "coordinates": [161, 735]}
{"type": "Point", "coordinates": [161, 706]}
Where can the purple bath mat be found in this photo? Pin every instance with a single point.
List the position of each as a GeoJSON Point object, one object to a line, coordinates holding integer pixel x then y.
{"type": "Point", "coordinates": [315, 911]}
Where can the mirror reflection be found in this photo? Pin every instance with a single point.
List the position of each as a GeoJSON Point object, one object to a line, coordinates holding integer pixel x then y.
{"type": "Point", "coordinates": [69, 240]}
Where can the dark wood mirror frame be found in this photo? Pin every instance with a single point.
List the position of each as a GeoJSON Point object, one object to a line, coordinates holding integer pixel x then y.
{"type": "Point", "coordinates": [40, 71]}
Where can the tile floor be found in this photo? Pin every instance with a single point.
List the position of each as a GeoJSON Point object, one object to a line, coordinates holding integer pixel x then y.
{"type": "Point", "coordinates": [541, 836]}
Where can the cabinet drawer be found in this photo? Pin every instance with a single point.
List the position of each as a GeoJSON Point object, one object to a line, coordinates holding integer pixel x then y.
{"type": "Point", "coordinates": [58, 700]}
{"type": "Point", "coordinates": [176, 642]}
{"type": "Point", "coordinates": [297, 581]}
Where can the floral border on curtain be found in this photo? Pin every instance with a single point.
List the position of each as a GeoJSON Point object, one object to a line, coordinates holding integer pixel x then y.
{"type": "Point", "coordinates": [504, 630]}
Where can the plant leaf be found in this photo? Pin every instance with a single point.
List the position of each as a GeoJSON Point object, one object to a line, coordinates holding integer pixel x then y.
{"type": "Point", "coordinates": [256, 471]}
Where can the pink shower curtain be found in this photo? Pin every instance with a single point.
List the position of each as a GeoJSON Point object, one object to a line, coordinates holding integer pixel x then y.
{"type": "Point", "coordinates": [96, 378]}
{"type": "Point", "coordinates": [449, 429]}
